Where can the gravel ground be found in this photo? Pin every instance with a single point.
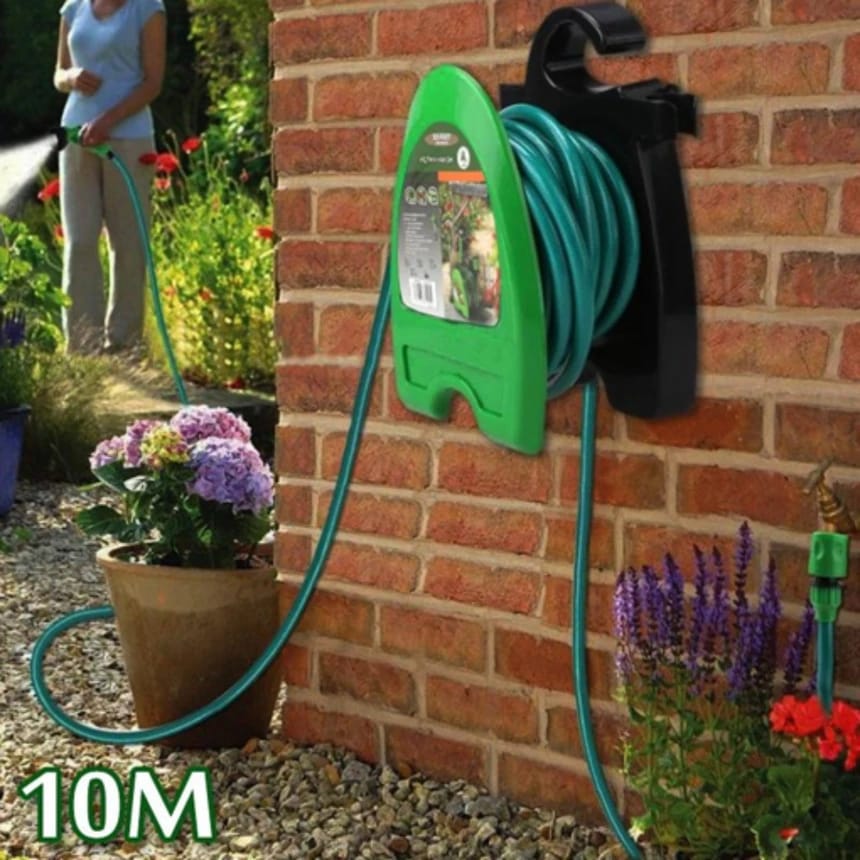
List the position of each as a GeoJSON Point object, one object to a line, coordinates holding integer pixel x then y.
{"type": "Point", "coordinates": [273, 800]}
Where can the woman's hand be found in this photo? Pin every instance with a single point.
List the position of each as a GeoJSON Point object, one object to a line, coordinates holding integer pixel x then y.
{"type": "Point", "coordinates": [82, 80]}
{"type": "Point", "coordinates": [97, 131]}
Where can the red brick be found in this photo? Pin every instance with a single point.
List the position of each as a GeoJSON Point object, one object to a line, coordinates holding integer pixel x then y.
{"type": "Point", "coordinates": [345, 329]}
{"type": "Point", "coordinates": [354, 210]}
{"type": "Point", "coordinates": [321, 388]}
{"type": "Point", "coordinates": [630, 480]}
{"type": "Point", "coordinates": [349, 619]}
{"type": "Point", "coordinates": [537, 662]}
{"type": "Point", "coordinates": [724, 140]}
{"type": "Point", "coordinates": [368, 681]}
{"type": "Point", "coordinates": [484, 470]}
{"type": "Point", "coordinates": [281, 5]}
{"type": "Point", "coordinates": [813, 280]}
{"type": "Point", "coordinates": [731, 278]}
{"type": "Point", "coordinates": [492, 76]}
{"type": "Point", "coordinates": [851, 72]}
{"type": "Point", "coordinates": [660, 17]}
{"type": "Point", "coordinates": [634, 67]}
{"type": "Point", "coordinates": [460, 413]}
{"type": "Point", "coordinates": [442, 638]}
{"type": "Point", "coordinates": [848, 649]}
{"type": "Point", "coordinates": [559, 540]}
{"type": "Point", "coordinates": [440, 29]}
{"type": "Point", "coordinates": [481, 585]}
{"type": "Point", "coordinates": [710, 425]}
{"type": "Point", "coordinates": [288, 100]}
{"type": "Point", "coordinates": [365, 565]}
{"type": "Point", "coordinates": [815, 136]}
{"type": "Point", "coordinates": [296, 662]}
{"type": "Point", "coordinates": [768, 497]}
{"type": "Point", "coordinates": [564, 415]}
{"type": "Point", "coordinates": [849, 364]}
{"type": "Point", "coordinates": [562, 734]}
{"type": "Point", "coordinates": [807, 11]}
{"type": "Point", "coordinates": [352, 265]}
{"type": "Point", "coordinates": [390, 144]}
{"type": "Point", "coordinates": [364, 96]}
{"type": "Point", "coordinates": [292, 210]}
{"type": "Point", "coordinates": [557, 605]}
{"type": "Point", "coordinates": [294, 505]}
{"type": "Point", "coordinates": [297, 40]}
{"type": "Point", "coordinates": [850, 222]}
{"type": "Point", "coordinates": [306, 724]}
{"type": "Point", "coordinates": [517, 21]}
{"type": "Point", "coordinates": [292, 552]}
{"type": "Point", "coordinates": [326, 150]}
{"type": "Point", "coordinates": [381, 460]}
{"type": "Point", "coordinates": [538, 784]}
{"type": "Point", "coordinates": [294, 328]}
{"type": "Point", "coordinates": [408, 750]}
{"type": "Point", "coordinates": [295, 452]}
{"type": "Point", "coordinates": [781, 209]}
{"type": "Point", "coordinates": [377, 515]}
{"type": "Point", "coordinates": [771, 350]}
{"type": "Point", "coordinates": [508, 716]}
{"type": "Point", "coordinates": [791, 69]}
{"type": "Point", "coordinates": [648, 544]}
{"type": "Point", "coordinates": [506, 531]}
{"type": "Point", "coordinates": [792, 565]}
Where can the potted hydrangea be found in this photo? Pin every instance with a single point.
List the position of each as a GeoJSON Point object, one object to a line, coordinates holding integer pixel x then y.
{"type": "Point", "coordinates": [193, 589]}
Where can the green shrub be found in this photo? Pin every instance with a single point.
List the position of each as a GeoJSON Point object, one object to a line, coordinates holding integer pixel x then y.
{"type": "Point", "coordinates": [212, 245]}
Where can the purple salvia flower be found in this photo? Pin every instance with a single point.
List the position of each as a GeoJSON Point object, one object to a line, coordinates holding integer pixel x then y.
{"type": "Point", "coordinates": [195, 423]}
{"type": "Point", "coordinates": [769, 612]}
{"type": "Point", "coordinates": [699, 612]}
{"type": "Point", "coordinates": [674, 587]}
{"type": "Point", "coordinates": [719, 627]}
{"type": "Point", "coordinates": [625, 633]}
{"type": "Point", "coordinates": [798, 647]}
{"type": "Point", "coordinates": [743, 659]}
{"type": "Point", "coordinates": [743, 556]}
{"type": "Point", "coordinates": [231, 472]}
{"type": "Point", "coordinates": [133, 437]}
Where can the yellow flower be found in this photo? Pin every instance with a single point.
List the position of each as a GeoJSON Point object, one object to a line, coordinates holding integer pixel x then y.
{"type": "Point", "coordinates": [161, 446]}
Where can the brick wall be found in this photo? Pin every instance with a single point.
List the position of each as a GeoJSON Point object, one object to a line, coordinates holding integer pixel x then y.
{"type": "Point", "coordinates": [439, 637]}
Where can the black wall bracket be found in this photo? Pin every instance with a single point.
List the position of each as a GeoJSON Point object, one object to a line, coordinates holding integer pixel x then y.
{"type": "Point", "coordinates": [649, 361]}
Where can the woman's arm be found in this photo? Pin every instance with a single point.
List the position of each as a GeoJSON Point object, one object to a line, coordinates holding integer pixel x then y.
{"type": "Point", "coordinates": [68, 77]}
{"type": "Point", "coordinates": [153, 51]}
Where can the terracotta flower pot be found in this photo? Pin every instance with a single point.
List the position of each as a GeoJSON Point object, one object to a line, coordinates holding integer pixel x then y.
{"type": "Point", "coordinates": [187, 634]}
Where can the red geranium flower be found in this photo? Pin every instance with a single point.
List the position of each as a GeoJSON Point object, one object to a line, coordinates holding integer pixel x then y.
{"type": "Point", "coordinates": [830, 745]}
{"type": "Point", "coordinates": [845, 718]}
{"type": "Point", "coordinates": [853, 753]}
{"type": "Point", "coordinates": [190, 144]}
{"type": "Point", "coordinates": [162, 183]}
{"type": "Point", "coordinates": [166, 162]}
{"type": "Point", "coordinates": [148, 158]}
{"type": "Point", "coordinates": [809, 717]}
{"type": "Point", "coordinates": [265, 232]}
{"type": "Point", "coordinates": [782, 714]}
{"type": "Point", "coordinates": [49, 190]}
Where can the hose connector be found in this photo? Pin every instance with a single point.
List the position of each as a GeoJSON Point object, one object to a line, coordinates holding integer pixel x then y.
{"type": "Point", "coordinates": [828, 563]}
{"type": "Point", "coordinates": [72, 134]}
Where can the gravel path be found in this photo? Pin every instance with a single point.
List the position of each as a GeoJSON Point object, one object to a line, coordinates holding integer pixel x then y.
{"type": "Point", "coordinates": [273, 800]}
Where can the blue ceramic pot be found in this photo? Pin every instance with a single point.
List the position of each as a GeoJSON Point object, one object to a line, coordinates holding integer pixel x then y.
{"type": "Point", "coordinates": [12, 422]}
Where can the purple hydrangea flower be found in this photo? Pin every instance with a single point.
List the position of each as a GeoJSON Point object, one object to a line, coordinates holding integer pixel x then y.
{"type": "Point", "coordinates": [108, 451]}
{"type": "Point", "coordinates": [195, 423]}
{"type": "Point", "coordinates": [231, 471]}
{"type": "Point", "coordinates": [133, 437]}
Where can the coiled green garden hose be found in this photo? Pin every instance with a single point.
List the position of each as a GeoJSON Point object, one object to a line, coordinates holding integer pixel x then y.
{"type": "Point", "coordinates": [588, 243]}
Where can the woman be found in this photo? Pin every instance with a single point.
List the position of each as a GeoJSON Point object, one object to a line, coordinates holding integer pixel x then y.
{"type": "Point", "coordinates": [110, 60]}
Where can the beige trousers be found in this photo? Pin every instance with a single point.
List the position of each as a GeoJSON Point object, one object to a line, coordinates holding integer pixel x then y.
{"type": "Point", "coordinates": [93, 193]}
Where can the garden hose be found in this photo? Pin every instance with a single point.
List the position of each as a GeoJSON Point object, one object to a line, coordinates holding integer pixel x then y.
{"type": "Point", "coordinates": [588, 243]}
{"type": "Point", "coordinates": [103, 150]}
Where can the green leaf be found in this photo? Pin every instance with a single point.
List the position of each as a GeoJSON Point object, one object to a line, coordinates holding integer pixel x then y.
{"type": "Point", "coordinates": [768, 841]}
{"type": "Point", "coordinates": [114, 475]}
{"type": "Point", "coordinates": [101, 520]}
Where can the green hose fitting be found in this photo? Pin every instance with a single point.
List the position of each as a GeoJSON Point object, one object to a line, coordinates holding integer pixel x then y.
{"type": "Point", "coordinates": [828, 563]}
{"type": "Point", "coordinates": [73, 135]}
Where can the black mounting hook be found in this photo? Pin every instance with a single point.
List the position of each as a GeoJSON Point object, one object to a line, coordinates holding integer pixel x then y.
{"type": "Point", "coordinates": [648, 362]}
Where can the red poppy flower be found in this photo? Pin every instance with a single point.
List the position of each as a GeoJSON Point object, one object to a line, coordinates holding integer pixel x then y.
{"type": "Point", "coordinates": [788, 833]}
{"type": "Point", "coordinates": [244, 176]}
{"type": "Point", "coordinates": [236, 383]}
{"type": "Point", "coordinates": [265, 232]}
{"type": "Point", "coordinates": [205, 295]}
{"type": "Point", "coordinates": [148, 158]}
{"type": "Point", "coordinates": [49, 190]}
{"type": "Point", "coordinates": [166, 162]}
{"type": "Point", "coordinates": [190, 144]}
{"type": "Point", "coordinates": [170, 292]}
{"type": "Point", "coordinates": [162, 183]}
{"type": "Point", "coordinates": [58, 232]}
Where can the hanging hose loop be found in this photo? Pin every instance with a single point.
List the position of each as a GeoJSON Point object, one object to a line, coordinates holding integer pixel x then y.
{"type": "Point", "coordinates": [586, 233]}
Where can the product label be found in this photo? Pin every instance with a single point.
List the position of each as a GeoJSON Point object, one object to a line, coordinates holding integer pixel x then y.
{"type": "Point", "coordinates": [448, 258]}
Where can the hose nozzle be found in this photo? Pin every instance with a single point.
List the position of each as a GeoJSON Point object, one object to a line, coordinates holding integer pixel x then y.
{"type": "Point", "coordinates": [72, 134]}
